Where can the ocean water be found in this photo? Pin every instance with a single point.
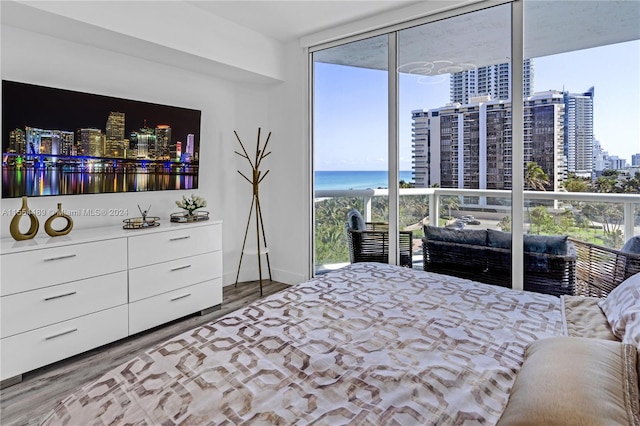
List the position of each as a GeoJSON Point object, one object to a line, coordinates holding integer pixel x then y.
{"type": "Point", "coordinates": [356, 179]}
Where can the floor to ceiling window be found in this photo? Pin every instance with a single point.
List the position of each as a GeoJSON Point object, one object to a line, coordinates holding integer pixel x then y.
{"type": "Point", "coordinates": [547, 148]}
{"type": "Point", "coordinates": [350, 133]}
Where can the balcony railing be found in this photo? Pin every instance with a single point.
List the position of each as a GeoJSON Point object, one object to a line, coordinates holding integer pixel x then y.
{"type": "Point", "coordinates": [554, 201]}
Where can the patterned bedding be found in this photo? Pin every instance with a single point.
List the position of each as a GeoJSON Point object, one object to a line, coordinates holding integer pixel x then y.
{"type": "Point", "coordinates": [367, 344]}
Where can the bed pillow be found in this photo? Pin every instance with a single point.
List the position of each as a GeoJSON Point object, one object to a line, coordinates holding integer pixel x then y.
{"type": "Point", "coordinates": [621, 306]}
{"type": "Point", "coordinates": [632, 330]}
{"type": "Point", "coordinates": [575, 381]}
{"type": "Point", "coordinates": [355, 220]}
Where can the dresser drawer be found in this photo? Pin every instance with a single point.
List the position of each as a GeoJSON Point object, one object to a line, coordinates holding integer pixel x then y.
{"type": "Point", "coordinates": [183, 242]}
{"type": "Point", "coordinates": [34, 349]}
{"type": "Point", "coordinates": [38, 308]}
{"type": "Point", "coordinates": [50, 266]}
{"type": "Point", "coordinates": [153, 311]}
{"type": "Point", "coordinates": [163, 277]}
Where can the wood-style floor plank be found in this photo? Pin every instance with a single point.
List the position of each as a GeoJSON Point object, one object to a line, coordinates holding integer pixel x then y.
{"type": "Point", "coordinates": [27, 402]}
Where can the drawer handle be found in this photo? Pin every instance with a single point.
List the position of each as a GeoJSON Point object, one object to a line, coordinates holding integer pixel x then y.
{"type": "Point", "coordinates": [62, 333]}
{"type": "Point", "coordinates": [180, 267]}
{"type": "Point", "coordinates": [181, 297]}
{"type": "Point", "coordinates": [71, 293]}
{"type": "Point", "coordinates": [180, 238]}
{"type": "Point", "coordinates": [66, 256]}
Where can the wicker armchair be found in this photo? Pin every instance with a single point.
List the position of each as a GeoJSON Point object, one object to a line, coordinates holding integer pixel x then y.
{"type": "Point", "coordinates": [372, 244]}
{"type": "Point", "coordinates": [601, 269]}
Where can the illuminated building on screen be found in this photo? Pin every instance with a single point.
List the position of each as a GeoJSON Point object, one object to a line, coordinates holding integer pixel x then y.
{"type": "Point", "coordinates": [163, 141]}
{"type": "Point", "coordinates": [116, 144]}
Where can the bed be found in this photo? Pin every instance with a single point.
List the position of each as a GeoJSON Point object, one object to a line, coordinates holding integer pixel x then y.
{"type": "Point", "coordinates": [367, 344]}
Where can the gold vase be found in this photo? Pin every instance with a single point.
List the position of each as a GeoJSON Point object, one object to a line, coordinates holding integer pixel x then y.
{"type": "Point", "coordinates": [14, 227]}
{"type": "Point", "coordinates": [64, 231]}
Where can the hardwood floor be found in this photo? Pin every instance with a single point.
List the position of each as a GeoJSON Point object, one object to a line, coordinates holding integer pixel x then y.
{"type": "Point", "coordinates": [27, 402]}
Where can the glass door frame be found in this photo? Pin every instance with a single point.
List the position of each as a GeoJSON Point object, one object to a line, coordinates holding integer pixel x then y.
{"type": "Point", "coordinates": [517, 57]}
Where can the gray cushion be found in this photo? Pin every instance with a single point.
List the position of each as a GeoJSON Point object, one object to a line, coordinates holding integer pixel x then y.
{"type": "Point", "coordinates": [498, 239]}
{"type": "Point", "coordinates": [632, 245]}
{"type": "Point", "coordinates": [355, 220]}
{"type": "Point", "coordinates": [476, 237]}
{"type": "Point", "coordinates": [547, 244]}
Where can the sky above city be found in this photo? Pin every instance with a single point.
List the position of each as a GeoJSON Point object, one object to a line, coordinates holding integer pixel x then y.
{"type": "Point", "coordinates": [350, 122]}
{"type": "Point", "coordinates": [56, 109]}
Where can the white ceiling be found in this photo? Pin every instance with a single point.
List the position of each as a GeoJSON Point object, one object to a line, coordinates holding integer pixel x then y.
{"type": "Point", "coordinates": [287, 21]}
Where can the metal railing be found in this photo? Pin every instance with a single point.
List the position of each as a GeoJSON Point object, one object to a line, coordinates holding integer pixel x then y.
{"type": "Point", "coordinates": [630, 202]}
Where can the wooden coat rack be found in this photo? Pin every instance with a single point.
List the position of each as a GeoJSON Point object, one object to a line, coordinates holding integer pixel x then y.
{"type": "Point", "coordinates": [257, 177]}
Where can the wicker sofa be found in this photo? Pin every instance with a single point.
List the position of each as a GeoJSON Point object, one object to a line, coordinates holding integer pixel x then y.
{"type": "Point", "coordinates": [485, 256]}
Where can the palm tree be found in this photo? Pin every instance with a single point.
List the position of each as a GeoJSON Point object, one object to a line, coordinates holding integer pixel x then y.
{"type": "Point", "coordinates": [534, 178]}
{"type": "Point", "coordinates": [450, 202]}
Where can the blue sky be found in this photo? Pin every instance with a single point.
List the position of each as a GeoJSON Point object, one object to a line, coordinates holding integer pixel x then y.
{"type": "Point", "coordinates": [351, 116]}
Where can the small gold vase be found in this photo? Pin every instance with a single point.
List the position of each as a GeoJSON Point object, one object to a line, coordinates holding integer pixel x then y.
{"type": "Point", "coordinates": [14, 226]}
{"type": "Point", "coordinates": [64, 231]}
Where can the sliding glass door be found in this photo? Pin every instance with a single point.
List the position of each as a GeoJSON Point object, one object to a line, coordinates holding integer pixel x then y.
{"type": "Point", "coordinates": [516, 119]}
{"type": "Point", "coordinates": [454, 125]}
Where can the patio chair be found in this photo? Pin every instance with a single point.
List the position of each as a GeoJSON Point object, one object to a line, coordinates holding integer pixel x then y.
{"type": "Point", "coordinates": [369, 242]}
{"type": "Point", "coordinates": [601, 269]}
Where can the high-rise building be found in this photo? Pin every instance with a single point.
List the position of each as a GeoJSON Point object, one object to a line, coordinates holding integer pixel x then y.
{"type": "Point", "coordinates": [578, 133]}
{"type": "Point", "coordinates": [616, 163]}
{"type": "Point", "coordinates": [635, 160]}
{"type": "Point", "coordinates": [91, 142]}
{"type": "Point", "coordinates": [492, 80]}
{"type": "Point", "coordinates": [469, 146]}
{"type": "Point", "coordinates": [600, 158]}
{"type": "Point", "coordinates": [115, 144]}
{"type": "Point", "coordinates": [188, 151]}
{"type": "Point", "coordinates": [163, 141]}
{"type": "Point", "coordinates": [143, 143]}
{"type": "Point", "coordinates": [44, 141]}
{"type": "Point", "coordinates": [17, 142]}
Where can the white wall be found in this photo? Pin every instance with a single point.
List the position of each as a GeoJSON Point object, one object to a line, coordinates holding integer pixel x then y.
{"type": "Point", "coordinates": [289, 191]}
{"type": "Point", "coordinates": [225, 105]}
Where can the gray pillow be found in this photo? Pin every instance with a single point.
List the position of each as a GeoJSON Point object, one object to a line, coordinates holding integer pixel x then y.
{"type": "Point", "coordinates": [632, 245]}
{"type": "Point", "coordinates": [547, 244]}
{"type": "Point", "coordinates": [355, 221]}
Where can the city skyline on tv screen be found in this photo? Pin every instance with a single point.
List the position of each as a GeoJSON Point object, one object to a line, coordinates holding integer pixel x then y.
{"type": "Point", "coordinates": [62, 142]}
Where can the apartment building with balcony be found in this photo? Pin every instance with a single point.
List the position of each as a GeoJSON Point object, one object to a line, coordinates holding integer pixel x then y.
{"type": "Point", "coordinates": [579, 138]}
{"type": "Point", "coordinates": [470, 146]}
{"type": "Point", "coordinates": [493, 80]}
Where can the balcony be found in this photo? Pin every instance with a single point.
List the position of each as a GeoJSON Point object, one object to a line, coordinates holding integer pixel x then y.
{"type": "Point", "coordinates": [603, 219]}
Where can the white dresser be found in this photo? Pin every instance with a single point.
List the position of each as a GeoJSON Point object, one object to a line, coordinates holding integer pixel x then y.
{"type": "Point", "coordinates": [65, 295]}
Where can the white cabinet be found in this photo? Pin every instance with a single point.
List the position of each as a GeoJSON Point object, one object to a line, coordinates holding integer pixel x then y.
{"type": "Point", "coordinates": [173, 273]}
{"type": "Point", "coordinates": [65, 295]}
{"type": "Point", "coordinates": [53, 301]}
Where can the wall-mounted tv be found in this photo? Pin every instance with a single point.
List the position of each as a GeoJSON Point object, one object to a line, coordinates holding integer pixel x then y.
{"type": "Point", "coordinates": [61, 142]}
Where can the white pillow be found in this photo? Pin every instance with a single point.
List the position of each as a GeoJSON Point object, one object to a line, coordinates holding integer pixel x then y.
{"type": "Point", "coordinates": [622, 309]}
{"type": "Point", "coordinates": [632, 330]}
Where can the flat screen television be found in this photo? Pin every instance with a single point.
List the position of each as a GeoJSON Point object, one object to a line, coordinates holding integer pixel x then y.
{"type": "Point", "coordinates": [62, 142]}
